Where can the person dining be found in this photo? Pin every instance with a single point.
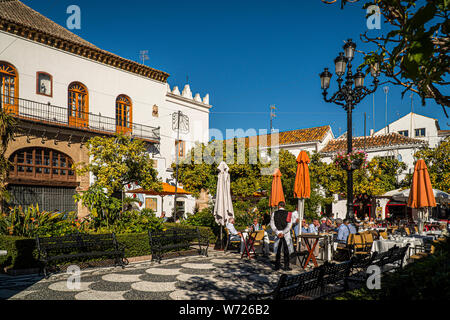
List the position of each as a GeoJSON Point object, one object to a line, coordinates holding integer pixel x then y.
{"type": "Point", "coordinates": [234, 234]}
{"type": "Point", "coordinates": [257, 227]}
{"type": "Point", "coordinates": [314, 227]}
{"type": "Point", "coordinates": [343, 231]}
{"type": "Point", "coordinates": [326, 226]}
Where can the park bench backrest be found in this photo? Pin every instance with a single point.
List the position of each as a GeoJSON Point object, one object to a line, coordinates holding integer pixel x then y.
{"type": "Point", "coordinates": [77, 241]}
{"type": "Point", "coordinates": [334, 273]}
{"type": "Point", "coordinates": [290, 286]}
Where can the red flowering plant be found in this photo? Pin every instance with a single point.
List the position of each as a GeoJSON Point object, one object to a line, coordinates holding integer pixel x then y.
{"type": "Point", "coordinates": [355, 160]}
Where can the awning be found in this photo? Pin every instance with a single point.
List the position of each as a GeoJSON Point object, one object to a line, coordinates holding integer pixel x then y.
{"type": "Point", "coordinates": [167, 190]}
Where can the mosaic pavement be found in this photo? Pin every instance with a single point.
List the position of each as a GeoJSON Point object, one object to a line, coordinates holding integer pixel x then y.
{"type": "Point", "coordinates": [221, 276]}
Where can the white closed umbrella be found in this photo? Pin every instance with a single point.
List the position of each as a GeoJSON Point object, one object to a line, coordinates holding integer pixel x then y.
{"type": "Point", "coordinates": [223, 207]}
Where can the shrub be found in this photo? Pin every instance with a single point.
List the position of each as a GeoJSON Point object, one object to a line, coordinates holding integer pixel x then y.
{"type": "Point", "coordinates": [30, 222]}
{"type": "Point", "coordinates": [137, 222]}
{"type": "Point", "coordinates": [204, 218]}
{"type": "Point", "coordinates": [22, 251]}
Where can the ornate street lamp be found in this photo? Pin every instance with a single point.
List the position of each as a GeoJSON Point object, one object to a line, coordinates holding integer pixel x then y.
{"type": "Point", "coordinates": [348, 96]}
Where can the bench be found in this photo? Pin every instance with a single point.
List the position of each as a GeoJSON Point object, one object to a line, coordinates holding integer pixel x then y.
{"type": "Point", "coordinates": [387, 261]}
{"type": "Point", "coordinates": [176, 239]}
{"type": "Point", "coordinates": [320, 282]}
{"type": "Point", "coordinates": [53, 250]}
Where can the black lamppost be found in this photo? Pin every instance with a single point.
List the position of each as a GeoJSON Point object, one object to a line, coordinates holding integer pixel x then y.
{"type": "Point", "coordinates": [348, 96]}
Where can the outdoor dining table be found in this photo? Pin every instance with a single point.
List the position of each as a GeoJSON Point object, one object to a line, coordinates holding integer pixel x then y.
{"type": "Point", "coordinates": [311, 240]}
{"type": "Point", "coordinates": [384, 245]}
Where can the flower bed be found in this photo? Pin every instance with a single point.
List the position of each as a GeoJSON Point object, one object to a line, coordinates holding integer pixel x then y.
{"type": "Point", "coordinates": [351, 161]}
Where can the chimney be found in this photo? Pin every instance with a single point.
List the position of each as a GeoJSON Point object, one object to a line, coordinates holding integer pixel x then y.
{"type": "Point", "coordinates": [372, 132]}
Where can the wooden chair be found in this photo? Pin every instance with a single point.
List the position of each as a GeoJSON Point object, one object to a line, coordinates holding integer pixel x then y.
{"type": "Point", "coordinates": [368, 241]}
{"type": "Point", "coordinates": [359, 245]}
{"type": "Point", "coordinates": [407, 231]}
{"type": "Point", "coordinates": [259, 238]}
{"type": "Point", "coordinates": [383, 235]}
{"type": "Point", "coordinates": [425, 251]}
{"type": "Point", "coordinates": [231, 242]}
{"type": "Point", "coordinates": [345, 251]}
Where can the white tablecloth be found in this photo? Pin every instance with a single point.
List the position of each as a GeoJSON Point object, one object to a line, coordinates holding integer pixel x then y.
{"type": "Point", "coordinates": [384, 245]}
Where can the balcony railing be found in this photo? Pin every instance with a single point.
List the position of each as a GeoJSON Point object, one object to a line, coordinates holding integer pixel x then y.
{"type": "Point", "coordinates": [47, 113]}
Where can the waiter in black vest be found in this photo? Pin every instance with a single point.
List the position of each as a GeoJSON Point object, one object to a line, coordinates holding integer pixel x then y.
{"type": "Point", "coordinates": [281, 223]}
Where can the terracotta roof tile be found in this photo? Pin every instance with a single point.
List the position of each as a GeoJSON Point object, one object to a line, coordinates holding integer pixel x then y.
{"type": "Point", "coordinates": [290, 137]}
{"type": "Point", "coordinates": [16, 13]}
{"type": "Point", "coordinates": [372, 142]}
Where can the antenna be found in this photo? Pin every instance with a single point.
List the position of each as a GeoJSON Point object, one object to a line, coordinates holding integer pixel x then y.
{"type": "Point", "coordinates": [143, 55]}
{"type": "Point", "coordinates": [386, 91]}
{"type": "Point", "coordinates": [272, 115]}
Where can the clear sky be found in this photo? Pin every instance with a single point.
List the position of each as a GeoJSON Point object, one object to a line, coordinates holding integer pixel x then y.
{"type": "Point", "coordinates": [246, 54]}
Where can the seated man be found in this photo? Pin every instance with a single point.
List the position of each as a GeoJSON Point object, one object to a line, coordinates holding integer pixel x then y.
{"type": "Point", "coordinates": [344, 230]}
{"type": "Point", "coordinates": [234, 234]}
{"type": "Point", "coordinates": [257, 227]}
{"type": "Point", "coordinates": [314, 227]}
{"type": "Point", "coordinates": [327, 226]}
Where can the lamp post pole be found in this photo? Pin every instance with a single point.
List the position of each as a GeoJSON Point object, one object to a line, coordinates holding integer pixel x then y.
{"type": "Point", "coordinates": [348, 96]}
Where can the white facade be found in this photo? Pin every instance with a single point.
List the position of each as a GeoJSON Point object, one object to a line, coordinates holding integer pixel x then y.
{"type": "Point", "coordinates": [105, 83]}
{"type": "Point", "coordinates": [412, 122]}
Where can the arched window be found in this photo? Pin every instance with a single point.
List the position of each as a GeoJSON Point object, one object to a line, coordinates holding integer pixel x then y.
{"type": "Point", "coordinates": [9, 87]}
{"type": "Point", "coordinates": [124, 114]}
{"type": "Point", "coordinates": [78, 105]}
{"type": "Point", "coordinates": [41, 164]}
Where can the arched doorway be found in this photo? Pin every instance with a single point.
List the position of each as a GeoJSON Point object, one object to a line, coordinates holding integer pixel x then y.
{"type": "Point", "coordinates": [9, 87]}
{"type": "Point", "coordinates": [44, 177]}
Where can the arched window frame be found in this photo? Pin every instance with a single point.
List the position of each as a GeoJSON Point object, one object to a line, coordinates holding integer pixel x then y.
{"type": "Point", "coordinates": [10, 103]}
{"type": "Point", "coordinates": [41, 164]}
{"type": "Point", "coordinates": [124, 114]}
{"type": "Point", "coordinates": [78, 111]}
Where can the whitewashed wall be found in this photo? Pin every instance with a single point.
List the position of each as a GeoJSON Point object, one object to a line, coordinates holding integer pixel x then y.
{"type": "Point", "coordinates": [105, 83]}
{"type": "Point", "coordinates": [416, 121]}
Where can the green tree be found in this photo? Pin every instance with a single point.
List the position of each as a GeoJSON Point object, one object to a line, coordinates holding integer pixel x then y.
{"type": "Point", "coordinates": [117, 161]}
{"type": "Point", "coordinates": [414, 51]}
{"type": "Point", "coordinates": [438, 164]}
{"type": "Point", "coordinates": [8, 127]}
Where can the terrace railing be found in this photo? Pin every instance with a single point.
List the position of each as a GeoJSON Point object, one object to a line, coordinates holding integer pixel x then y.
{"type": "Point", "coordinates": [51, 114]}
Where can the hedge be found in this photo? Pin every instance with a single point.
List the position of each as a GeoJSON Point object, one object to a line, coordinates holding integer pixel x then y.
{"type": "Point", "coordinates": [22, 252]}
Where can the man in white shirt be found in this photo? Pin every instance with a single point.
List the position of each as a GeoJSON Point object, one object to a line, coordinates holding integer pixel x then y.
{"type": "Point", "coordinates": [234, 234]}
{"type": "Point", "coordinates": [281, 224]}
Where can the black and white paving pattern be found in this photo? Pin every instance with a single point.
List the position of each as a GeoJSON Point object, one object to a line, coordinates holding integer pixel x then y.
{"type": "Point", "coordinates": [221, 276]}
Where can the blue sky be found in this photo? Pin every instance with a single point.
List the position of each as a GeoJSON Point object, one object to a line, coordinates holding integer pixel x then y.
{"type": "Point", "coordinates": [246, 54]}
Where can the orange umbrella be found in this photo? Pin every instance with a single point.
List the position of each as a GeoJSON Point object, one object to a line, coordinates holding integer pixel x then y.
{"type": "Point", "coordinates": [277, 194]}
{"type": "Point", "coordinates": [421, 194]}
{"type": "Point", "coordinates": [302, 187]}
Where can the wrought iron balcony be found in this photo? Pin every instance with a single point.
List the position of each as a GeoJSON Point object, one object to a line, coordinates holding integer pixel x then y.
{"type": "Point", "coordinates": [50, 114]}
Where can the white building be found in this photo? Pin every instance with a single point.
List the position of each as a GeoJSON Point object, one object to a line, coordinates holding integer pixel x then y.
{"type": "Point", "coordinates": [64, 90]}
{"type": "Point", "coordinates": [417, 126]}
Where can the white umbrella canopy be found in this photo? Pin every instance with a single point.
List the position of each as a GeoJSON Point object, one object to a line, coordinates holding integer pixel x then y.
{"type": "Point", "coordinates": [403, 195]}
{"type": "Point", "coordinates": [223, 207]}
